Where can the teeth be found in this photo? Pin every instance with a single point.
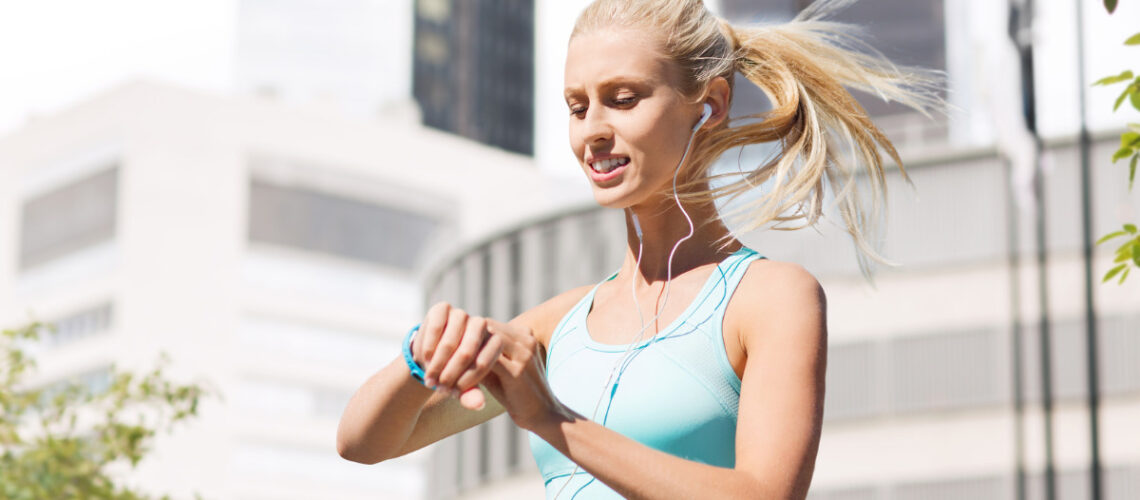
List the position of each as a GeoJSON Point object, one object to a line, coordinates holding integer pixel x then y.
{"type": "Point", "coordinates": [607, 165]}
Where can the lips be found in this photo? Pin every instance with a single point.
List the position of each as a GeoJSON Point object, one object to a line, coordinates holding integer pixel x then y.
{"type": "Point", "coordinates": [608, 165]}
{"type": "Point", "coordinates": [604, 171]}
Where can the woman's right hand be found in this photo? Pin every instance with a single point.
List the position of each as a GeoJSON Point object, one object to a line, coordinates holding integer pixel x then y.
{"type": "Point", "coordinates": [456, 352]}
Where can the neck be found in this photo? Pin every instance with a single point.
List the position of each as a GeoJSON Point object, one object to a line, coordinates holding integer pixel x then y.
{"type": "Point", "coordinates": [663, 224]}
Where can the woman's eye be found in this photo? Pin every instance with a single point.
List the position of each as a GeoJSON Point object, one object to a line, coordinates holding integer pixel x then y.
{"type": "Point", "coordinates": [625, 100]}
{"type": "Point", "coordinates": [577, 110]}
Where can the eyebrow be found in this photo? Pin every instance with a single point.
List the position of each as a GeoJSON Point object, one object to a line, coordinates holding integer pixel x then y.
{"type": "Point", "coordinates": [612, 82]}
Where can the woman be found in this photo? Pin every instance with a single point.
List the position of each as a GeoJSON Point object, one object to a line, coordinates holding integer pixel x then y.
{"type": "Point", "coordinates": [697, 370]}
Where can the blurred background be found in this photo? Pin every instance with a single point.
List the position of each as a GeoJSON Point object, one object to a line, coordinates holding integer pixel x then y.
{"type": "Point", "coordinates": [271, 191]}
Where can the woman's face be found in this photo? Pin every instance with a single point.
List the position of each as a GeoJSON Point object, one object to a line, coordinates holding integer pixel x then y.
{"type": "Point", "coordinates": [629, 123]}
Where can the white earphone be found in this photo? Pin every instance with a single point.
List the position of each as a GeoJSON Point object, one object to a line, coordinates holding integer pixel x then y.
{"type": "Point", "coordinates": [705, 115]}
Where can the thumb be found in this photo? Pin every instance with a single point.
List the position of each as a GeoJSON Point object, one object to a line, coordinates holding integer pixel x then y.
{"type": "Point", "coordinates": [494, 386]}
{"type": "Point", "coordinates": [473, 399]}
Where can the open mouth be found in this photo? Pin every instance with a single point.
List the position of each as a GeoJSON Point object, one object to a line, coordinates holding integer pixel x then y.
{"type": "Point", "coordinates": [608, 165]}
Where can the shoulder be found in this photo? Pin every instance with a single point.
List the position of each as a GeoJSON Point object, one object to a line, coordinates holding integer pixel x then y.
{"type": "Point", "coordinates": [777, 299]}
{"type": "Point", "coordinates": [543, 318]}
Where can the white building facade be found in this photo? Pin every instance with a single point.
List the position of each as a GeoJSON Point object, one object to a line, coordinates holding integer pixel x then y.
{"type": "Point", "coordinates": [273, 253]}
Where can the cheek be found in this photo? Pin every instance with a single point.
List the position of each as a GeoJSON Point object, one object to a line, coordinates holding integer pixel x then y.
{"type": "Point", "coordinates": [576, 144]}
{"type": "Point", "coordinates": [658, 139]}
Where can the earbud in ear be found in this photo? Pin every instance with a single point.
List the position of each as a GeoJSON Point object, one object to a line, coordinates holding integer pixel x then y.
{"type": "Point", "coordinates": [705, 115]}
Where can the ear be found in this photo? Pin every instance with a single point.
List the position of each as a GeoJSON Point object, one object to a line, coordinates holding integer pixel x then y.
{"type": "Point", "coordinates": [717, 95]}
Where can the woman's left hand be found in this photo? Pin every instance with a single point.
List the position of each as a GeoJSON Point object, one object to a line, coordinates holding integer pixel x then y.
{"type": "Point", "coordinates": [518, 379]}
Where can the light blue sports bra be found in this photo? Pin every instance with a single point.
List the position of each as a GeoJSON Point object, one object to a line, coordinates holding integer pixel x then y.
{"type": "Point", "coordinates": [677, 392]}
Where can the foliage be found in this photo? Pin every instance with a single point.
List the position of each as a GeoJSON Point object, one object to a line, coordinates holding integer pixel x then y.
{"type": "Point", "coordinates": [1128, 254]}
{"type": "Point", "coordinates": [66, 440]}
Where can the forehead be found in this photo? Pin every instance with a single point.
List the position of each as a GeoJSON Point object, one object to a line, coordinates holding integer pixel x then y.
{"type": "Point", "coordinates": [600, 56]}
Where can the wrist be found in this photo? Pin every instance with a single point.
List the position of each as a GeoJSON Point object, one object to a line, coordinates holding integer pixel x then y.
{"type": "Point", "coordinates": [550, 424]}
{"type": "Point", "coordinates": [405, 385]}
{"type": "Point", "coordinates": [415, 371]}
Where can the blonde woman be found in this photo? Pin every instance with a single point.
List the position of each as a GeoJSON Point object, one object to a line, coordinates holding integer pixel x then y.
{"type": "Point", "coordinates": [697, 369]}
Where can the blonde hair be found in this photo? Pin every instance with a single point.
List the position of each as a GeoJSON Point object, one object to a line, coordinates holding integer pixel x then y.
{"type": "Point", "coordinates": [803, 67]}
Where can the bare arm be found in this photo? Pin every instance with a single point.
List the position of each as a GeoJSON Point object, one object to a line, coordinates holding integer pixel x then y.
{"type": "Point", "coordinates": [783, 331]}
{"type": "Point", "coordinates": [392, 414]}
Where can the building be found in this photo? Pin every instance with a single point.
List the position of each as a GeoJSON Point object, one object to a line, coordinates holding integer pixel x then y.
{"type": "Point", "coordinates": [273, 252]}
{"type": "Point", "coordinates": [474, 69]}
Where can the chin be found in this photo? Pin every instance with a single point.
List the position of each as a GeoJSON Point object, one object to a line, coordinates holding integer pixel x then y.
{"type": "Point", "coordinates": [609, 201]}
{"type": "Point", "coordinates": [613, 198]}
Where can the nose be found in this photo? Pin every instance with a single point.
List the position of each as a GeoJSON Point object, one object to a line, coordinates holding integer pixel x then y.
{"type": "Point", "coordinates": [597, 126]}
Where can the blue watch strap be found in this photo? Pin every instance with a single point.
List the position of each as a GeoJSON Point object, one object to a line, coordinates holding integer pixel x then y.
{"type": "Point", "coordinates": [417, 371]}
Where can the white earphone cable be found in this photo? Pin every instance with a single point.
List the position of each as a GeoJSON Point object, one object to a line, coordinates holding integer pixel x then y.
{"type": "Point", "coordinates": [668, 281]}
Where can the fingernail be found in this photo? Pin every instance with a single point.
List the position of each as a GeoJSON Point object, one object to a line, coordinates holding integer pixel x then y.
{"type": "Point", "coordinates": [429, 382]}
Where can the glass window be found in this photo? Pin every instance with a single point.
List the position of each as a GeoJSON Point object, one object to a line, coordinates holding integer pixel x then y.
{"type": "Point", "coordinates": [434, 10]}
{"type": "Point", "coordinates": [321, 222]}
{"type": "Point", "coordinates": [80, 324]}
{"type": "Point", "coordinates": [68, 219]}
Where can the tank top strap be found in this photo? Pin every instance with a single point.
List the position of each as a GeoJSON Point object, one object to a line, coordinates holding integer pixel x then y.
{"type": "Point", "coordinates": [736, 265]}
{"type": "Point", "coordinates": [575, 316]}
{"type": "Point", "coordinates": [726, 277]}
{"type": "Point", "coordinates": [708, 315]}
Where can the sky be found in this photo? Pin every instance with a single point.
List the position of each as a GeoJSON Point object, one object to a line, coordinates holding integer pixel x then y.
{"type": "Point", "coordinates": [55, 53]}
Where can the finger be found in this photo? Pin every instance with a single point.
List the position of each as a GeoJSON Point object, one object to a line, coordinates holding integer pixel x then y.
{"type": "Point", "coordinates": [448, 342]}
{"type": "Point", "coordinates": [488, 354]}
{"type": "Point", "coordinates": [519, 343]}
{"type": "Point", "coordinates": [465, 354]}
{"type": "Point", "coordinates": [512, 331]}
{"type": "Point", "coordinates": [494, 386]}
{"type": "Point", "coordinates": [428, 337]}
{"type": "Point", "coordinates": [473, 399]}
{"type": "Point", "coordinates": [506, 369]}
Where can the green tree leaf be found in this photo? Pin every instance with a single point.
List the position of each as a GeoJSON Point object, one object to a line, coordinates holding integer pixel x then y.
{"type": "Point", "coordinates": [1135, 97]}
{"type": "Point", "coordinates": [1121, 154]}
{"type": "Point", "coordinates": [1109, 80]}
{"type": "Point", "coordinates": [1113, 272]}
{"type": "Point", "coordinates": [1124, 276]}
{"type": "Point", "coordinates": [1131, 228]}
{"type": "Point", "coordinates": [1132, 171]}
{"type": "Point", "coordinates": [48, 451]}
{"type": "Point", "coordinates": [1128, 92]}
{"type": "Point", "coordinates": [1110, 236]}
{"type": "Point", "coordinates": [1129, 139]}
{"type": "Point", "coordinates": [1110, 5]}
{"type": "Point", "coordinates": [1123, 95]}
{"type": "Point", "coordinates": [1133, 40]}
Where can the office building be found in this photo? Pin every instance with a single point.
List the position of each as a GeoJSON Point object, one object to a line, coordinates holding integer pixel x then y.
{"type": "Point", "coordinates": [474, 69]}
{"type": "Point", "coordinates": [273, 253]}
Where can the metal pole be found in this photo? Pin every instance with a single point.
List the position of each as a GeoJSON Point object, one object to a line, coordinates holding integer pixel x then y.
{"type": "Point", "coordinates": [1087, 254]}
{"type": "Point", "coordinates": [1021, 23]}
{"type": "Point", "coordinates": [1016, 337]}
